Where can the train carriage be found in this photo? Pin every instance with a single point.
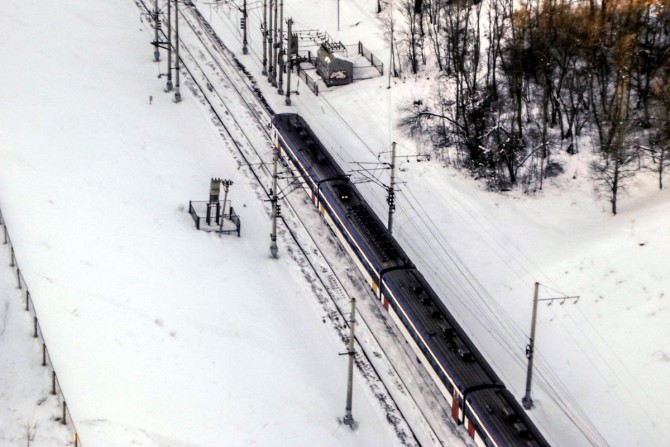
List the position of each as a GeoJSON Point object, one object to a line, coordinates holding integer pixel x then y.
{"type": "Point", "coordinates": [478, 399]}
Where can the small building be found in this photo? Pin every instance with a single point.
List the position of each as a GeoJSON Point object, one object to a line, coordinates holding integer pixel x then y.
{"type": "Point", "coordinates": [333, 70]}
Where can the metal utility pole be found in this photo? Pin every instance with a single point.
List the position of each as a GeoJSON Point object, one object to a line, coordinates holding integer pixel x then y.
{"type": "Point", "coordinates": [157, 26]}
{"type": "Point", "coordinates": [270, 61]}
{"type": "Point", "coordinates": [530, 348]}
{"type": "Point", "coordinates": [275, 206]}
{"type": "Point", "coordinates": [245, 50]}
{"type": "Point", "coordinates": [348, 418]}
{"type": "Point", "coordinates": [274, 47]}
{"type": "Point", "coordinates": [289, 60]}
{"type": "Point", "coordinates": [264, 32]}
{"type": "Point", "coordinates": [338, 15]}
{"type": "Point", "coordinates": [226, 184]}
{"type": "Point", "coordinates": [527, 400]}
{"type": "Point", "coordinates": [168, 86]}
{"type": "Point", "coordinates": [177, 95]}
{"type": "Point", "coordinates": [280, 53]}
{"type": "Point", "coordinates": [391, 57]}
{"type": "Point", "coordinates": [390, 199]}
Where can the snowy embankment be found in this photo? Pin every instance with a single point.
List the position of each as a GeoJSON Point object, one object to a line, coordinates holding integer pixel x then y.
{"type": "Point", "coordinates": [160, 334]}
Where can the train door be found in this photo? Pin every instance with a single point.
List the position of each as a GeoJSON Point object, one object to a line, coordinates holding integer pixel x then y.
{"type": "Point", "coordinates": [455, 406]}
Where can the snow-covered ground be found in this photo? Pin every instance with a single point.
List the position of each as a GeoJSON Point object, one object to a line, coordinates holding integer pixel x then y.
{"type": "Point", "coordinates": [162, 335]}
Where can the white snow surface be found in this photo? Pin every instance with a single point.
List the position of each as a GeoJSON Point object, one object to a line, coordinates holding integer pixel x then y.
{"type": "Point", "coordinates": [162, 335]}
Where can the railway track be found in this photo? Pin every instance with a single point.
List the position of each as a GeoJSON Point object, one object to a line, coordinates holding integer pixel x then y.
{"type": "Point", "coordinates": [217, 79]}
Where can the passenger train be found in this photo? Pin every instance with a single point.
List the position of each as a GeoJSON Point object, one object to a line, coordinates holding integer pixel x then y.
{"type": "Point", "coordinates": [478, 399]}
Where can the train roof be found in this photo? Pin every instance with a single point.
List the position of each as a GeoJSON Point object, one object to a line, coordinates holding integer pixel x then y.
{"type": "Point", "coordinates": [464, 364]}
{"type": "Point", "coordinates": [386, 250]}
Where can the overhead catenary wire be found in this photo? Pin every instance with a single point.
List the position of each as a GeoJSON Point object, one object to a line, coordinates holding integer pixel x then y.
{"type": "Point", "coordinates": [242, 148]}
{"type": "Point", "coordinates": [502, 326]}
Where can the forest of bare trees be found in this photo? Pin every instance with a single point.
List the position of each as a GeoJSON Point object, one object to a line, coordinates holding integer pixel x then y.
{"type": "Point", "coordinates": [519, 82]}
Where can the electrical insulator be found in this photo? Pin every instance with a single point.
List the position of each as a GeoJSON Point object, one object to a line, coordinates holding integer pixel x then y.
{"type": "Point", "coordinates": [278, 210]}
{"type": "Point", "coordinates": [390, 199]}
{"type": "Point", "coordinates": [243, 23]}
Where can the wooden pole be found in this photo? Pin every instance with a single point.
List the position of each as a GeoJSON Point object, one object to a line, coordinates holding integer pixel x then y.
{"type": "Point", "coordinates": [264, 32]}
{"type": "Point", "coordinates": [280, 53]}
{"type": "Point", "coordinates": [527, 400]}
{"type": "Point", "coordinates": [168, 85]}
{"type": "Point", "coordinates": [177, 94]}
{"type": "Point", "coordinates": [348, 418]}
{"type": "Point", "coordinates": [274, 250]}
{"type": "Point", "coordinates": [289, 60]}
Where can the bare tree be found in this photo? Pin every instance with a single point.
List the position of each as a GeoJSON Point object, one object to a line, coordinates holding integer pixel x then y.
{"type": "Point", "coordinates": [413, 32]}
{"type": "Point", "coordinates": [612, 57]}
{"type": "Point", "coordinates": [613, 166]}
{"type": "Point", "coordinates": [659, 139]}
{"type": "Point", "coordinates": [434, 11]}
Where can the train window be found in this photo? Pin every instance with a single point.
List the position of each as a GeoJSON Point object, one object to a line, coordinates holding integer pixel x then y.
{"type": "Point", "coordinates": [436, 314]}
{"type": "Point", "coordinates": [463, 351]}
{"type": "Point", "coordinates": [448, 332]}
{"type": "Point", "coordinates": [508, 414]}
{"type": "Point", "coordinates": [521, 430]}
{"type": "Point", "coordinates": [343, 192]}
{"type": "Point", "coordinates": [466, 355]}
{"type": "Point", "coordinates": [418, 290]}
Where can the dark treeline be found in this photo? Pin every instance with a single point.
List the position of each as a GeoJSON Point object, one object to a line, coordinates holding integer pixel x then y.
{"type": "Point", "coordinates": [519, 82]}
